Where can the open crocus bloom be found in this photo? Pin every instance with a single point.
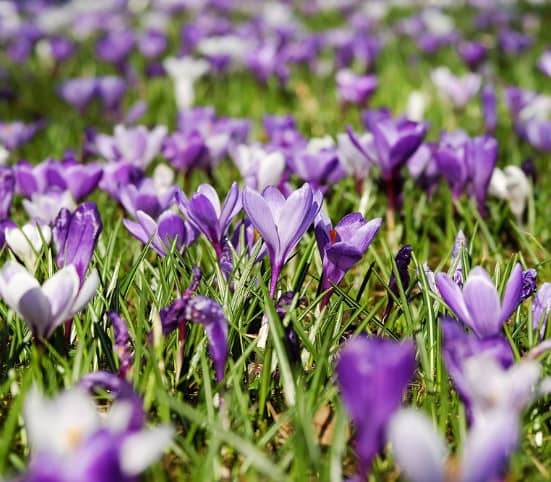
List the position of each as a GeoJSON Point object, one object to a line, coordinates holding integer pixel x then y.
{"type": "Point", "coordinates": [478, 305]}
{"type": "Point", "coordinates": [281, 222]}
{"type": "Point", "coordinates": [71, 442]}
{"type": "Point", "coordinates": [45, 307]}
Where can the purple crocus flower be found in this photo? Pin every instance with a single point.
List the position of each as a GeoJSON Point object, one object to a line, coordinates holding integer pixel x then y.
{"type": "Point", "coordinates": [477, 305]}
{"type": "Point", "coordinates": [152, 44]}
{"type": "Point", "coordinates": [343, 246]}
{"type": "Point", "coordinates": [528, 283]}
{"type": "Point", "coordinates": [168, 228]}
{"type": "Point", "coordinates": [514, 43]}
{"type": "Point", "coordinates": [136, 145]}
{"type": "Point", "coordinates": [111, 89]}
{"type": "Point", "coordinates": [355, 89]}
{"type": "Point", "coordinates": [115, 47]}
{"type": "Point", "coordinates": [69, 174]}
{"type": "Point", "coordinates": [76, 235]}
{"type": "Point", "coordinates": [281, 222]}
{"type": "Point", "coordinates": [185, 151]}
{"type": "Point", "coordinates": [489, 108]}
{"type": "Point", "coordinates": [61, 48]}
{"type": "Point", "coordinates": [122, 343]}
{"type": "Point", "coordinates": [373, 374]}
{"type": "Point", "coordinates": [538, 134]}
{"type": "Point", "coordinates": [146, 197]}
{"type": "Point", "coordinates": [205, 213]}
{"type": "Point", "coordinates": [394, 141]}
{"type": "Point", "coordinates": [118, 174]}
{"type": "Point", "coordinates": [467, 163]}
{"type": "Point", "coordinates": [15, 134]}
{"type": "Point", "coordinates": [544, 63]}
{"type": "Point", "coordinates": [541, 308]}
{"type": "Point", "coordinates": [472, 53]}
{"type": "Point", "coordinates": [318, 163]}
{"type": "Point", "coordinates": [78, 92]}
{"type": "Point", "coordinates": [7, 189]}
{"type": "Point", "coordinates": [204, 311]}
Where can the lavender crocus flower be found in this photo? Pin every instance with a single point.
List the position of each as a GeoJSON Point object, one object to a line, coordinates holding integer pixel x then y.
{"type": "Point", "coordinates": [343, 246]}
{"type": "Point", "coordinates": [115, 47]}
{"type": "Point", "coordinates": [122, 344]}
{"type": "Point", "coordinates": [78, 92]}
{"type": "Point", "coordinates": [373, 374]}
{"type": "Point", "coordinates": [111, 89]}
{"type": "Point", "coordinates": [489, 108]}
{"type": "Point", "coordinates": [541, 308]}
{"type": "Point", "coordinates": [15, 134]}
{"type": "Point", "coordinates": [76, 235]}
{"type": "Point", "coordinates": [119, 174]}
{"type": "Point", "coordinates": [281, 222]}
{"type": "Point", "coordinates": [355, 89]}
{"type": "Point", "coordinates": [544, 63]}
{"type": "Point", "coordinates": [318, 163]}
{"type": "Point", "coordinates": [477, 305]}
{"type": "Point", "coordinates": [136, 145]}
{"type": "Point", "coordinates": [7, 189]}
{"type": "Point", "coordinates": [459, 90]}
{"type": "Point", "coordinates": [45, 307]}
{"type": "Point", "coordinates": [168, 228]}
{"type": "Point", "coordinates": [147, 197]}
{"type": "Point", "coordinates": [472, 53]}
{"type": "Point", "coordinates": [467, 164]}
{"type": "Point", "coordinates": [513, 43]}
{"type": "Point", "coordinates": [205, 213]}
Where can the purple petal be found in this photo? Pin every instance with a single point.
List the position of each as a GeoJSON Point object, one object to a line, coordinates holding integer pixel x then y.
{"type": "Point", "coordinates": [453, 297]}
{"type": "Point", "coordinates": [482, 301]}
{"type": "Point", "coordinates": [260, 215]}
{"type": "Point", "coordinates": [512, 294]}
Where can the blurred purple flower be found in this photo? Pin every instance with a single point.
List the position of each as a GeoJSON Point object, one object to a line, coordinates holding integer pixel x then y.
{"type": "Point", "coordinates": [373, 375]}
{"type": "Point", "coordinates": [355, 89]}
{"type": "Point", "coordinates": [489, 108]}
{"type": "Point", "coordinates": [472, 53]}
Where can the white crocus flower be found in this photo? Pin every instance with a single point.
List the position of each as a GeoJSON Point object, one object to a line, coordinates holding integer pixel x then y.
{"type": "Point", "coordinates": [230, 46]}
{"type": "Point", "coordinates": [163, 179]}
{"type": "Point", "coordinates": [45, 207]}
{"type": "Point", "coordinates": [511, 184]}
{"type": "Point", "coordinates": [354, 161]}
{"type": "Point", "coordinates": [45, 307]}
{"type": "Point", "coordinates": [318, 144]}
{"type": "Point", "coordinates": [62, 427]}
{"type": "Point", "coordinates": [259, 168]}
{"type": "Point", "coordinates": [184, 71]}
{"type": "Point", "coordinates": [417, 103]}
{"type": "Point", "coordinates": [27, 242]}
{"type": "Point", "coordinates": [4, 154]}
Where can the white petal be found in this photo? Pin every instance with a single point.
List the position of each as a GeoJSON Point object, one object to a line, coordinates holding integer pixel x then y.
{"type": "Point", "coordinates": [143, 448]}
{"type": "Point", "coordinates": [417, 447]}
{"type": "Point", "coordinates": [87, 291]}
